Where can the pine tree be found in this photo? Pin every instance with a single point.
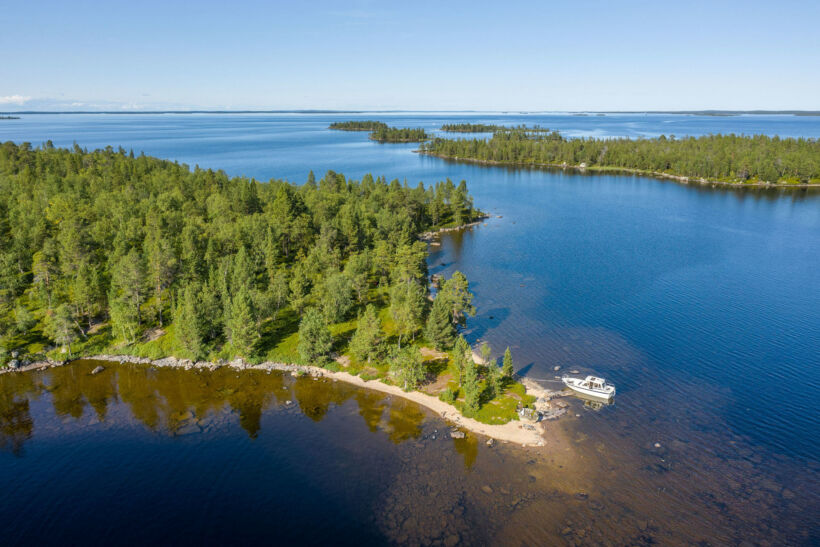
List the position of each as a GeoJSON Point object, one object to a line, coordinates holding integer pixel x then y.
{"type": "Point", "coordinates": [439, 329]}
{"type": "Point", "coordinates": [242, 323]}
{"type": "Point", "coordinates": [315, 340]}
{"type": "Point", "coordinates": [508, 368]}
{"type": "Point", "coordinates": [189, 326]}
{"type": "Point", "coordinates": [456, 292]}
{"type": "Point", "coordinates": [406, 308]}
{"type": "Point", "coordinates": [460, 357]}
{"type": "Point", "coordinates": [367, 340]}
{"type": "Point", "coordinates": [471, 387]}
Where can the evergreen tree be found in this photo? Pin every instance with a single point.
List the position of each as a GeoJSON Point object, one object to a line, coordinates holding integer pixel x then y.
{"type": "Point", "coordinates": [189, 325]}
{"type": "Point", "coordinates": [242, 323]}
{"type": "Point", "coordinates": [439, 329]}
{"type": "Point", "coordinates": [460, 357]}
{"type": "Point", "coordinates": [315, 340]}
{"type": "Point", "coordinates": [456, 292]}
{"type": "Point", "coordinates": [367, 340]}
{"type": "Point", "coordinates": [508, 368]}
{"type": "Point", "coordinates": [471, 387]}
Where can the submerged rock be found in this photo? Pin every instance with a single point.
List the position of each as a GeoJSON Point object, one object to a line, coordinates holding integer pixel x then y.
{"type": "Point", "coordinates": [98, 369]}
{"type": "Point", "coordinates": [456, 434]}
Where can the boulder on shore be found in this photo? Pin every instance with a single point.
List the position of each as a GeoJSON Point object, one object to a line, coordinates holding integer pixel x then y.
{"type": "Point", "coordinates": [457, 434]}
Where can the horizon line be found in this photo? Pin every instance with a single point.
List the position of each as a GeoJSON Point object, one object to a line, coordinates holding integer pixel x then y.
{"type": "Point", "coordinates": [365, 111]}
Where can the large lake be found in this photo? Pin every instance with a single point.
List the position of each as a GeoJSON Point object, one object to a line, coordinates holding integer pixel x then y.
{"type": "Point", "coordinates": [701, 304]}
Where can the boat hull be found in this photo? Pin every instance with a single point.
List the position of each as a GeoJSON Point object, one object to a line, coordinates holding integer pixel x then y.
{"type": "Point", "coordinates": [589, 392]}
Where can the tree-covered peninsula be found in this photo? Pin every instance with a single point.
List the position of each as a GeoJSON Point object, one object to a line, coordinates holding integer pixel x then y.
{"type": "Point", "coordinates": [719, 158]}
{"type": "Point", "coordinates": [107, 252]}
{"type": "Point", "coordinates": [489, 128]}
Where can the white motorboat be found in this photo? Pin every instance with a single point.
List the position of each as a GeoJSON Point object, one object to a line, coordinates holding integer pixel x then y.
{"type": "Point", "coordinates": [591, 385]}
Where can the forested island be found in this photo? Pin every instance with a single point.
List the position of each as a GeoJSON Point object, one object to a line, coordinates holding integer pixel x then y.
{"type": "Point", "coordinates": [733, 159]}
{"type": "Point", "coordinates": [381, 132]}
{"type": "Point", "coordinates": [107, 252]}
{"type": "Point", "coordinates": [489, 128]}
{"type": "Point", "coordinates": [9, 117]}
{"type": "Point", "coordinates": [398, 134]}
{"type": "Point", "coordinates": [361, 125]}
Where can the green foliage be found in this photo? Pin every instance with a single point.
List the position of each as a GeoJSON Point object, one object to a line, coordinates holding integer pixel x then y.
{"type": "Point", "coordinates": [126, 242]}
{"type": "Point", "coordinates": [60, 327]}
{"type": "Point", "coordinates": [460, 355]}
{"type": "Point", "coordinates": [507, 367]}
{"type": "Point", "coordinates": [471, 387]}
{"type": "Point", "coordinates": [315, 340]}
{"type": "Point", "coordinates": [366, 343]}
{"type": "Point", "coordinates": [242, 331]}
{"type": "Point", "coordinates": [455, 292]}
{"type": "Point", "coordinates": [407, 368]}
{"type": "Point", "coordinates": [448, 395]}
{"type": "Point", "coordinates": [439, 329]}
{"type": "Point", "coordinates": [732, 158]}
{"type": "Point", "coordinates": [407, 308]}
{"type": "Point", "coordinates": [335, 296]}
{"type": "Point", "coordinates": [189, 323]}
{"type": "Point", "coordinates": [398, 134]}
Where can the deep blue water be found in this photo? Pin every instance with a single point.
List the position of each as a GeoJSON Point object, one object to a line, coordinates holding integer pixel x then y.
{"type": "Point", "coordinates": [701, 304]}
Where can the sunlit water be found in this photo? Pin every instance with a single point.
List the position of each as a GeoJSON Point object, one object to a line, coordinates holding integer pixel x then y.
{"type": "Point", "coordinates": [700, 304]}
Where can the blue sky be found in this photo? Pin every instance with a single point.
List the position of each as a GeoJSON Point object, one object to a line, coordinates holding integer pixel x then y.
{"type": "Point", "coordinates": [442, 55]}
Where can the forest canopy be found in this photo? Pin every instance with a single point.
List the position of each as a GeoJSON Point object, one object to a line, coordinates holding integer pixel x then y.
{"type": "Point", "coordinates": [725, 158]}
{"type": "Point", "coordinates": [119, 248]}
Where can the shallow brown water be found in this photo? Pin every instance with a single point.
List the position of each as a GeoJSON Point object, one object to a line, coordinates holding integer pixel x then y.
{"type": "Point", "coordinates": [207, 457]}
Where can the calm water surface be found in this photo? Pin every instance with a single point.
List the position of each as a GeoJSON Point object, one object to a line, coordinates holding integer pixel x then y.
{"type": "Point", "coordinates": [700, 304]}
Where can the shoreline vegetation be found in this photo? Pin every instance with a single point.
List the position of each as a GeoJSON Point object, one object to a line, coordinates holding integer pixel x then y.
{"type": "Point", "coordinates": [713, 159]}
{"type": "Point", "coordinates": [105, 252]}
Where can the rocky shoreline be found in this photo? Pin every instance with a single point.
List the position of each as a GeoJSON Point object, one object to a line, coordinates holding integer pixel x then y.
{"type": "Point", "coordinates": [521, 432]}
{"type": "Point", "coordinates": [656, 174]}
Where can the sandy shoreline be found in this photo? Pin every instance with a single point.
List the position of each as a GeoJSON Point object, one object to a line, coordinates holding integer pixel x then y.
{"type": "Point", "coordinates": [512, 432]}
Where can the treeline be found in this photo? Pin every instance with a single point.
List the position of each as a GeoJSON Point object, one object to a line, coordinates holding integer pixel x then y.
{"type": "Point", "coordinates": [726, 158]}
{"type": "Point", "coordinates": [108, 246]}
{"type": "Point", "coordinates": [470, 127]}
{"type": "Point", "coordinates": [363, 125]}
{"type": "Point", "coordinates": [490, 128]}
{"type": "Point", "coordinates": [398, 134]}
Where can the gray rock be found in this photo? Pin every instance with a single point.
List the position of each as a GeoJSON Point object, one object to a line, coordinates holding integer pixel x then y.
{"type": "Point", "coordinates": [490, 442]}
{"type": "Point", "coordinates": [456, 434]}
{"type": "Point", "coordinates": [98, 369]}
{"type": "Point", "coordinates": [556, 367]}
{"type": "Point", "coordinates": [14, 364]}
{"type": "Point", "coordinates": [486, 489]}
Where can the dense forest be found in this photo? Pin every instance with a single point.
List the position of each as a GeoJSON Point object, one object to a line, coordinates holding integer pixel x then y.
{"type": "Point", "coordinates": [725, 158]}
{"type": "Point", "coordinates": [363, 125]}
{"type": "Point", "coordinates": [398, 134]}
{"type": "Point", "coordinates": [105, 251]}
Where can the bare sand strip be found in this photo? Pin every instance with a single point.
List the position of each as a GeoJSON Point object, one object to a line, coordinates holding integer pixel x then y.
{"type": "Point", "coordinates": [513, 432]}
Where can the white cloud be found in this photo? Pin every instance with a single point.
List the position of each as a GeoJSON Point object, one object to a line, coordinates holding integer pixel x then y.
{"type": "Point", "coordinates": [14, 99]}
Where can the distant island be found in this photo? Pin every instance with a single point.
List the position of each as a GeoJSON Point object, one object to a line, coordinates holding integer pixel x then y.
{"type": "Point", "coordinates": [143, 257]}
{"type": "Point", "coordinates": [489, 128]}
{"type": "Point", "coordinates": [381, 132]}
{"type": "Point", "coordinates": [727, 159]}
{"type": "Point", "coordinates": [364, 125]}
{"type": "Point", "coordinates": [9, 117]}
